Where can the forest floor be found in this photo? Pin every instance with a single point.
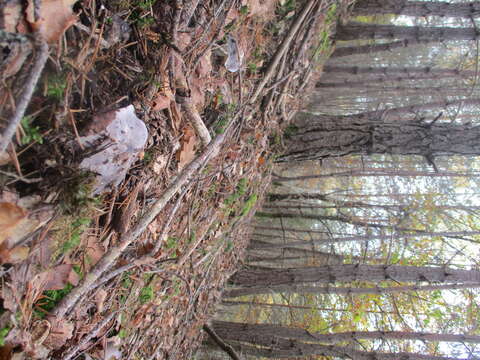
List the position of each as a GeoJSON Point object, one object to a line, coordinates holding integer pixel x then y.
{"type": "Point", "coordinates": [142, 292]}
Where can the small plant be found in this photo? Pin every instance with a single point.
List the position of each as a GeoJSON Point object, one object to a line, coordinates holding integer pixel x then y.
{"type": "Point", "coordinates": [171, 243]}
{"type": "Point", "coordinates": [145, 4]}
{"type": "Point", "coordinates": [287, 7]}
{"type": "Point", "coordinates": [31, 133]}
{"type": "Point", "coordinates": [251, 201]}
{"type": "Point", "coordinates": [239, 192]}
{"type": "Point", "coordinates": [244, 10]}
{"type": "Point", "coordinates": [50, 299]}
{"type": "Point", "coordinates": [3, 334]}
{"type": "Point", "coordinates": [220, 125]}
{"type": "Point", "coordinates": [252, 67]}
{"type": "Point", "coordinates": [56, 86]}
{"type": "Point", "coordinates": [78, 227]}
{"type": "Point", "coordinates": [146, 294]}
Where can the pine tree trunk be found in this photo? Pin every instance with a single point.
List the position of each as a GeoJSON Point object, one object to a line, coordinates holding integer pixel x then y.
{"type": "Point", "coordinates": [323, 136]}
{"type": "Point", "coordinates": [342, 290]}
{"type": "Point", "coordinates": [249, 332]}
{"type": "Point", "coordinates": [369, 49]}
{"type": "Point", "coordinates": [356, 31]}
{"type": "Point", "coordinates": [418, 8]}
{"type": "Point", "coordinates": [330, 274]}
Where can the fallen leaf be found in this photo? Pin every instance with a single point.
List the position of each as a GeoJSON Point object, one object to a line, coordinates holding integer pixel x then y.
{"type": "Point", "coordinates": [100, 297]}
{"type": "Point", "coordinates": [55, 278]}
{"type": "Point", "coordinates": [60, 331]}
{"type": "Point", "coordinates": [15, 255]}
{"type": "Point", "coordinates": [10, 217]}
{"type": "Point", "coordinates": [93, 251]}
{"type": "Point", "coordinates": [187, 147]}
{"type": "Point", "coordinates": [161, 102]}
{"type": "Point", "coordinates": [56, 16]}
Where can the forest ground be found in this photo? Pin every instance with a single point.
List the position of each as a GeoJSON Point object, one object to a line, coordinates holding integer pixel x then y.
{"type": "Point", "coordinates": [154, 298]}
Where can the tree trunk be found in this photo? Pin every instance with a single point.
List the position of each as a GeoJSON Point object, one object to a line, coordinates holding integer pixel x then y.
{"type": "Point", "coordinates": [356, 31]}
{"type": "Point", "coordinates": [418, 8]}
{"type": "Point", "coordinates": [330, 274]}
{"type": "Point", "coordinates": [323, 136]}
{"type": "Point", "coordinates": [369, 49]}
{"type": "Point", "coordinates": [395, 70]}
{"type": "Point", "coordinates": [249, 332]}
{"type": "Point", "coordinates": [342, 290]}
{"type": "Point", "coordinates": [274, 347]}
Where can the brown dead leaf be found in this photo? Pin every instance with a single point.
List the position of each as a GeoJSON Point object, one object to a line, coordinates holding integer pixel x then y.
{"type": "Point", "coordinates": [161, 102]}
{"type": "Point", "coordinates": [56, 16]}
{"type": "Point", "coordinates": [4, 157]}
{"type": "Point", "coordinates": [6, 352]}
{"type": "Point", "coordinates": [10, 217]}
{"type": "Point", "coordinates": [94, 251]}
{"type": "Point", "coordinates": [15, 255]}
{"type": "Point", "coordinates": [100, 297]}
{"type": "Point", "coordinates": [187, 147]}
{"type": "Point", "coordinates": [61, 330]}
{"type": "Point", "coordinates": [57, 277]}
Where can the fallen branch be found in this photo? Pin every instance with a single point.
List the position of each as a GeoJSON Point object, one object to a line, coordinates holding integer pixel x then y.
{"type": "Point", "coordinates": [110, 257]}
{"type": "Point", "coordinates": [84, 342]}
{"type": "Point", "coordinates": [30, 84]}
{"type": "Point", "coordinates": [282, 49]}
{"type": "Point", "coordinates": [195, 119]}
{"type": "Point", "coordinates": [222, 344]}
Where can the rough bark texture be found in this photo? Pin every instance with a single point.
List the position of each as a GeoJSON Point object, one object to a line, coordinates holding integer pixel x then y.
{"type": "Point", "coordinates": [250, 332]}
{"type": "Point", "coordinates": [277, 348]}
{"type": "Point", "coordinates": [330, 274]}
{"type": "Point", "coordinates": [342, 290]}
{"type": "Point", "coordinates": [322, 136]}
{"type": "Point", "coordinates": [368, 49]}
{"type": "Point", "coordinates": [396, 70]}
{"type": "Point", "coordinates": [418, 8]}
{"type": "Point", "coordinates": [355, 31]}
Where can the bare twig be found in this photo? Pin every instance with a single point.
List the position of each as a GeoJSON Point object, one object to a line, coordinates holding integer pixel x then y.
{"type": "Point", "coordinates": [222, 344]}
{"type": "Point", "coordinates": [94, 333]}
{"type": "Point", "coordinates": [34, 76]}
{"type": "Point", "coordinates": [196, 120]}
{"type": "Point", "coordinates": [282, 49]}
{"type": "Point", "coordinates": [21, 178]}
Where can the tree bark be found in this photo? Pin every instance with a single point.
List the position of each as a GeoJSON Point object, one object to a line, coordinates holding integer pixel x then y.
{"type": "Point", "coordinates": [356, 31]}
{"type": "Point", "coordinates": [342, 290]}
{"type": "Point", "coordinates": [418, 8]}
{"type": "Point", "coordinates": [331, 274]}
{"type": "Point", "coordinates": [276, 348]}
{"type": "Point", "coordinates": [323, 136]}
{"type": "Point", "coordinates": [249, 332]}
{"type": "Point", "coordinates": [369, 49]}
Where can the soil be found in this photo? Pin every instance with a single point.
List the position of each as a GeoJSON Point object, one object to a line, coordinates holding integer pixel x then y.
{"type": "Point", "coordinates": [167, 59]}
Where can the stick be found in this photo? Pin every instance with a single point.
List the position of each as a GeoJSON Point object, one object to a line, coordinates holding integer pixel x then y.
{"type": "Point", "coordinates": [73, 352]}
{"type": "Point", "coordinates": [40, 61]}
{"type": "Point", "coordinates": [222, 344]}
{"type": "Point", "coordinates": [281, 50]}
{"type": "Point", "coordinates": [110, 257]}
